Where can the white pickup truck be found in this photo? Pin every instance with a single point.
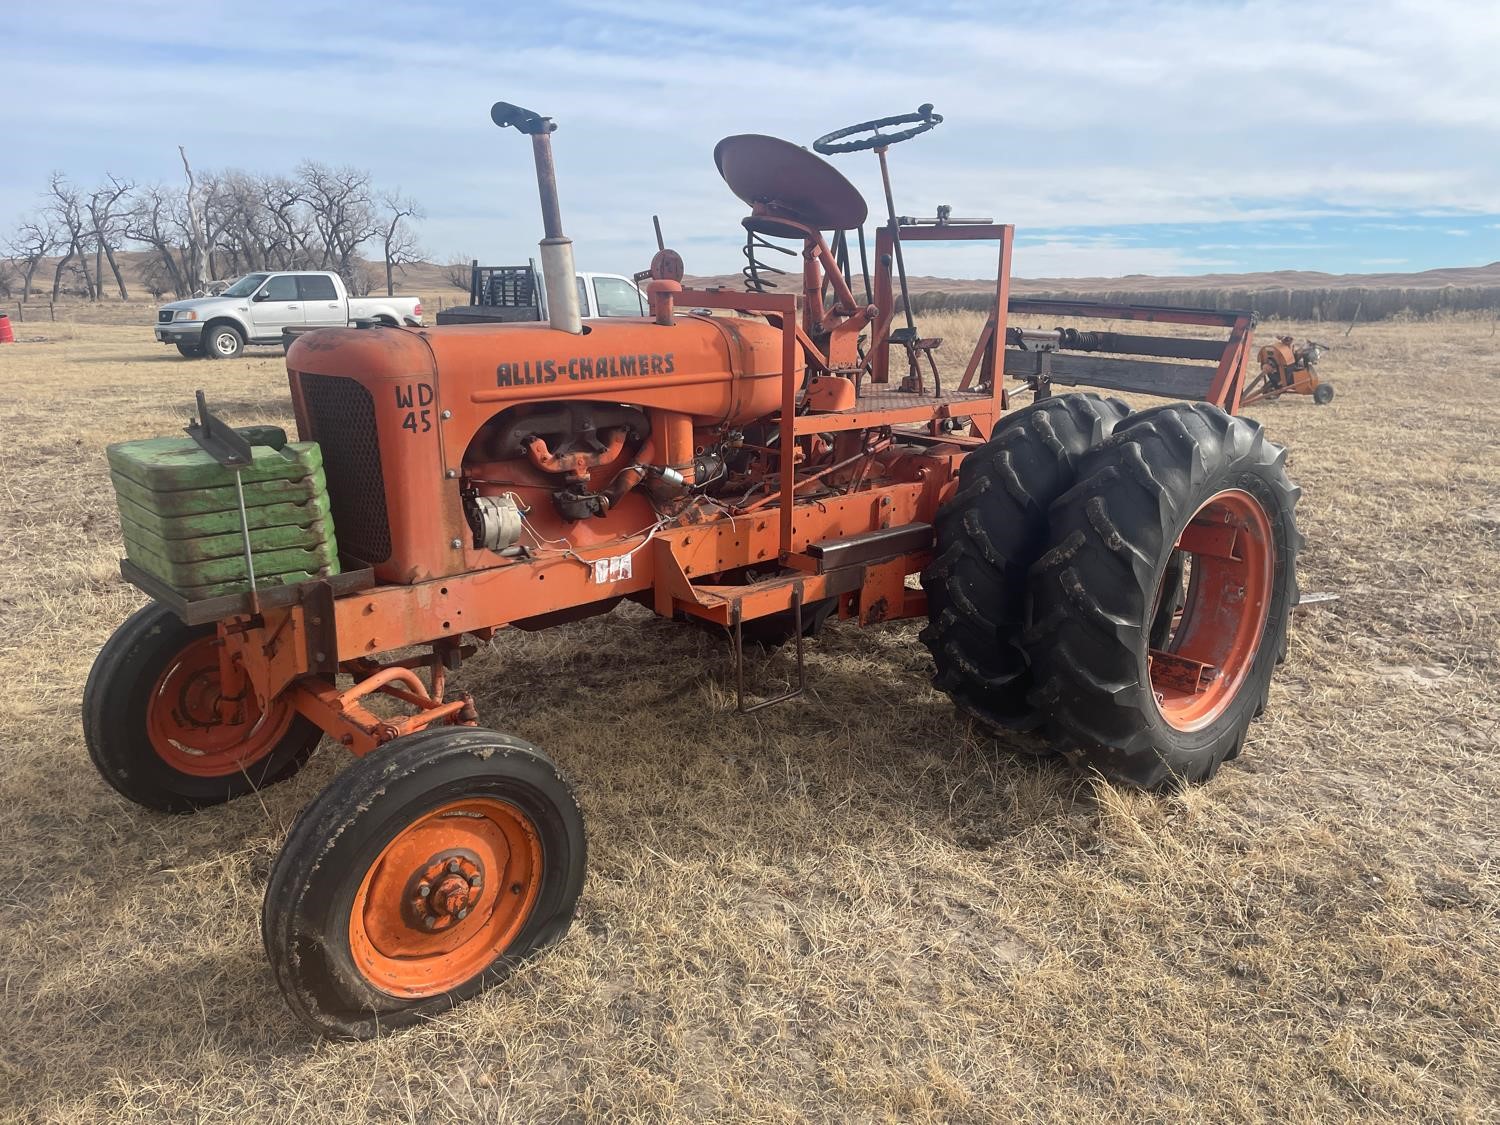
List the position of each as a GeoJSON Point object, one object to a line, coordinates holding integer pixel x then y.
{"type": "Point", "coordinates": [257, 307]}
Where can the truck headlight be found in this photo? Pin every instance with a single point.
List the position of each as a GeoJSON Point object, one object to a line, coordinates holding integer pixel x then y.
{"type": "Point", "coordinates": [186, 314]}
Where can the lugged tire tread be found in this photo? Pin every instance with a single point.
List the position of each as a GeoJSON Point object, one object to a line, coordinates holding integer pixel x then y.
{"type": "Point", "coordinates": [988, 535]}
{"type": "Point", "coordinates": [1093, 589]}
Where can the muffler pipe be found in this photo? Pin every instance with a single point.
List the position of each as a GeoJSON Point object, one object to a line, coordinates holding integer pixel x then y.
{"type": "Point", "coordinates": [558, 272]}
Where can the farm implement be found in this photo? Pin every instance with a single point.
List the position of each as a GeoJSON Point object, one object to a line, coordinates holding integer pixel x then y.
{"type": "Point", "coordinates": [1117, 581]}
{"type": "Point", "coordinates": [1286, 369]}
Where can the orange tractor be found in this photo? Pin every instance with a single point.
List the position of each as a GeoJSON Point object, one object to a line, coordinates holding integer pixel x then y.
{"type": "Point", "coordinates": [1118, 582]}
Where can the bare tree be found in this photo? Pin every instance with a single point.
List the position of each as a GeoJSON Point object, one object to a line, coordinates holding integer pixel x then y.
{"type": "Point", "coordinates": [152, 223]}
{"type": "Point", "coordinates": [397, 240]}
{"type": "Point", "coordinates": [340, 205]}
{"type": "Point", "coordinates": [107, 206]}
{"type": "Point", "coordinates": [33, 240]}
{"type": "Point", "coordinates": [459, 273]}
{"type": "Point", "coordinates": [68, 212]}
{"type": "Point", "coordinates": [196, 255]}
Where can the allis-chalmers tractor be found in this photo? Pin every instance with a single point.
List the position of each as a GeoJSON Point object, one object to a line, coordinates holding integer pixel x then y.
{"type": "Point", "coordinates": [1117, 582]}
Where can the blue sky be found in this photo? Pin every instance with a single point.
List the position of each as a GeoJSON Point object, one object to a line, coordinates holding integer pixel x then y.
{"type": "Point", "coordinates": [1159, 137]}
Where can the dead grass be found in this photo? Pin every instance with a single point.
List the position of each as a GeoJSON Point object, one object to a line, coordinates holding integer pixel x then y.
{"type": "Point", "coordinates": [846, 908]}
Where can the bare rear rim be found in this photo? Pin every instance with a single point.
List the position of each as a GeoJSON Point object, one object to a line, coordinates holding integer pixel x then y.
{"type": "Point", "coordinates": [1200, 667]}
{"type": "Point", "coordinates": [446, 897]}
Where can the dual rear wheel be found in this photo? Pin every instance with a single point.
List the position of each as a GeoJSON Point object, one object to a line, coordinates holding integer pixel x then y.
{"type": "Point", "coordinates": [1136, 624]}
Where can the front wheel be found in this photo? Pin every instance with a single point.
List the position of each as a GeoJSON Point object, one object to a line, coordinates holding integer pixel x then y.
{"type": "Point", "coordinates": [161, 730]}
{"type": "Point", "coordinates": [1160, 609]}
{"type": "Point", "coordinates": [223, 341]}
{"type": "Point", "coordinates": [424, 873]}
{"type": "Point", "coordinates": [190, 351]}
{"type": "Point", "coordinates": [1323, 394]}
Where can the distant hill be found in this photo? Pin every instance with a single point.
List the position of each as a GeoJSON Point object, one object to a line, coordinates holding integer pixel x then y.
{"type": "Point", "coordinates": [1288, 294]}
{"type": "Point", "coordinates": [1465, 276]}
{"type": "Point", "coordinates": [1300, 294]}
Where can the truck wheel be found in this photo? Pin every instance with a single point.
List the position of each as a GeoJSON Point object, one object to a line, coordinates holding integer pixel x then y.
{"type": "Point", "coordinates": [1185, 506]}
{"type": "Point", "coordinates": [1323, 394]}
{"type": "Point", "coordinates": [222, 341]}
{"type": "Point", "coordinates": [424, 873]}
{"type": "Point", "coordinates": [160, 731]}
{"type": "Point", "coordinates": [988, 536]}
{"type": "Point", "coordinates": [190, 351]}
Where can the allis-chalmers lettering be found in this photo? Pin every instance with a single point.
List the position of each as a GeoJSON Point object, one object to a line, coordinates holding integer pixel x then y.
{"type": "Point", "coordinates": [530, 372]}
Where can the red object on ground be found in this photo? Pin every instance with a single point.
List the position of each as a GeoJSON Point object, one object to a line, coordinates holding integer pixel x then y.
{"type": "Point", "coordinates": [7, 334]}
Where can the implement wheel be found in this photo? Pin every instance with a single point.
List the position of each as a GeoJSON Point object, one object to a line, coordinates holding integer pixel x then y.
{"type": "Point", "coordinates": [1161, 607]}
{"type": "Point", "coordinates": [424, 873]}
{"type": "Point", "coordinates": [988, 536]}
{"type": "Point", "coordinates": [160, 730]}
{"type": "Point", "coordinates": [1323, 394]}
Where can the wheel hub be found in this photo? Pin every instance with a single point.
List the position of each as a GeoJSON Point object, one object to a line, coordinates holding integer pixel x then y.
{"type": "Point", "coordinates": [444, 891]}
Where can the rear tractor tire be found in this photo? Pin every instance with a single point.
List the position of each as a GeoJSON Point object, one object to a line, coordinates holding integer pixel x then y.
{"type": "Point", "coordinates": [988, 536]}
{"type": "Point", "coordinates": [1160, 609]}
{"type": "Point", "coordinates": [160, 731]}
{"type": "Point", "coordinates": [424, 873]}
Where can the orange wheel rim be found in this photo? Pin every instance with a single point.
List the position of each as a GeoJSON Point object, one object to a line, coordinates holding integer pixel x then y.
{"type": "Point", "coordinates": [446, 897]}
{"type": "Point", "coordinates": [197, 730]}
{"type": "Point", "coordinates": [1201, 666]}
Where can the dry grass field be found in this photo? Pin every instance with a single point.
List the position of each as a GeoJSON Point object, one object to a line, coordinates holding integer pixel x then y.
{"type": "Point", "coordinates": [846, 908]}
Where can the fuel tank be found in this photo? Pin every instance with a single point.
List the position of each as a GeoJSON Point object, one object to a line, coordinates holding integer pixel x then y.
{"type": "Point", "coordinates": [395, 409]}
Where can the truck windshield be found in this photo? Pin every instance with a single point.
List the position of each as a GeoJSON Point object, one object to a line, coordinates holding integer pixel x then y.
{"type": "Point", "coordinates": [245, 285]}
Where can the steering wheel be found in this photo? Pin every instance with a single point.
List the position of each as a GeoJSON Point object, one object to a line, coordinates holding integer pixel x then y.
{"type": "Point", "coordinates": [921, 121]}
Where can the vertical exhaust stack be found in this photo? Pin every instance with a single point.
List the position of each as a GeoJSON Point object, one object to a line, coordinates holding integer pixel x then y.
{"type": "Point", "coordinates": [558, 273]}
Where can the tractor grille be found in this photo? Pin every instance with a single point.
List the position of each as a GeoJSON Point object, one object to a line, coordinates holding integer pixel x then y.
{"type": "Point", "coordinates": [341, 414]}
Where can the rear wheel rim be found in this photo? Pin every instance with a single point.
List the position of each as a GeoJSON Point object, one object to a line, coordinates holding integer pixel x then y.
{"type": "Point", "coordinates": [446, 897]}
{"type": "Point", "coordinates": [1208, 655]}
{"type": "Point", "coordinates": [196, 730]}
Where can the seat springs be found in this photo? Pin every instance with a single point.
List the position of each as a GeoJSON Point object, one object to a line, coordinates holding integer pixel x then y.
{"type": "Point", "coordinates": [757, 272]}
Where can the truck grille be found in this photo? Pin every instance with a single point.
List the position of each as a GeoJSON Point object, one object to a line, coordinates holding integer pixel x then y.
{"type": "Point", "coordinates": [164, 316]}
{"type": "Point", "coordinates": [341, 416]}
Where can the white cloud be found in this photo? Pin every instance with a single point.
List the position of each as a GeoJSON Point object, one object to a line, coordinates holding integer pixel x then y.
{"type": "Point", "coordinates": [1079, 113]}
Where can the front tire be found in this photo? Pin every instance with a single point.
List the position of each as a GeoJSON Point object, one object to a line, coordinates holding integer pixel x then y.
{"type": "Point", "coordinates": [988, 536]}
{"type": "Point", "coordinates": [1183, 502]}
{"type": "Point", "coordinates": [425, 872]}
{"type": "Point", "coordinates": [190, 351]}
{"type": "Point", "coordinates": [159, 730]}
{"type": "Point", "coordinates": [223, 341]}
{"type": "Point", "coordinates": [1323, 394]}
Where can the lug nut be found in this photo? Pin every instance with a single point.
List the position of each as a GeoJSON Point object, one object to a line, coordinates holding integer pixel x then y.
{"type": "Point", "coordinates": [456, 544]}
{"type": "Point", "coordinates": [429, 922]}
{"type": "Point", "coordinates": [462, 914]}
{"type": "Point", "coordinates": [454, 866]}
{"type": "Point", "coordinates": [474, 880]}
{"type": "Point", "coordinates": [424, 890]}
